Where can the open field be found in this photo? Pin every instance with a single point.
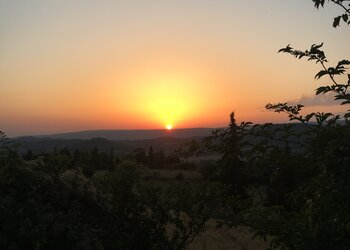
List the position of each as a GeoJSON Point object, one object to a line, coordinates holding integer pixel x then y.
{"type": "Point", "coordinates": [225, 238]}
{"type": "Point", "coordinates": [172, 173]}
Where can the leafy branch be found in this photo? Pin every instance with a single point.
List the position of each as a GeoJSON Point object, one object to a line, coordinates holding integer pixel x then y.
{"type": "Point", "coordinates": [339, 89]}
{"type": "Point", "coordinates": [341, 3]}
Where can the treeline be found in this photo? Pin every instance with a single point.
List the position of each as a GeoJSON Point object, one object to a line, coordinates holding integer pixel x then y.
{"type": "Point", "coordinates": [94, 160]}
{"type": "Point", "coordinates": [160, 160]}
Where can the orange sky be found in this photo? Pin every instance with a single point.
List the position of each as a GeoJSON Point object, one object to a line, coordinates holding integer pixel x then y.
{"type": "Point", "coordinates": [78, 65]}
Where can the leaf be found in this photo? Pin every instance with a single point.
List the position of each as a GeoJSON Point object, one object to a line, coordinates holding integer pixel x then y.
{"type": "Point", "coordinates": [315, 47]}
{"type": "Point", "coordinates": [321, 117]}
{"type": "Point", "coordinates": [287, 49]}
{"type": "Point", "coordinates": [333, 71]}
{"type": "Point", "coordinates": [318, 3]}
{"type": "Point", "coordinates": [343, 62]}
{"type": "Point", "coordinates": [336, 21]}
{"type": "Point", "coordinates": [345, 17]}
{"type": "Point", "coordinates": [321, 90]}
{"type": "Point", "coordinates": [345, 102]}
{"type": "Point", "coordinates": [339, 97]}
{"type": "Point", "coordinates": [320, 74]}
{"type": "Point", "coordinates": [309, 116]}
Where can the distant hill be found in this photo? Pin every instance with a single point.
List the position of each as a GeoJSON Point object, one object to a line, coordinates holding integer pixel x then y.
{"type": "Point", "coordinates": [122, 135]}
{"type": "Point", "coordinates": [122, 141]}
{"type": "Point", "coordinates": [45, 145]}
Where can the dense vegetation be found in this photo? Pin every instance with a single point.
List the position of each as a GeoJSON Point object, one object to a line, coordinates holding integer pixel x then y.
{"type": "Point", "coordinates": [290, 186]}
{"type": "Point", "coordinates": [55, 202]}
{"type": "Point", "coordinates": [303, 175]}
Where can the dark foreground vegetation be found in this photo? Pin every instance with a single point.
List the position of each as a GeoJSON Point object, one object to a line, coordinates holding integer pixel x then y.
{"type": "Point", "coordinates": [58, 201]}
{"type": "Point", "coordinates": [288, 187]}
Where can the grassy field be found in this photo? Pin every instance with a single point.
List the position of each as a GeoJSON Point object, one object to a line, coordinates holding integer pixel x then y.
{"type": "Point", "coordinates": [213, 238]}
{"type": "Point", "coordinates": [172, 173]}
{"type": "Point", "coordinates": [225, 238]}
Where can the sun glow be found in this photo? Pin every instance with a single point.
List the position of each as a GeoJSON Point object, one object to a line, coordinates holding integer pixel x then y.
{"type": "Point", "coordinates": [168, 99]}
{"type": "Point", "coordinates": [162, 98]}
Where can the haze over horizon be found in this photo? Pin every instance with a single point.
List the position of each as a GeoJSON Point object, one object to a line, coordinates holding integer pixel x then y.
{"type": "Point", "coordinates": [90, 65]}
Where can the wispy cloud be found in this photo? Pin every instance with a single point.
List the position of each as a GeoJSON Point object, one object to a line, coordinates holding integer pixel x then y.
{"type": "Point", "coordinates": [316, 100]}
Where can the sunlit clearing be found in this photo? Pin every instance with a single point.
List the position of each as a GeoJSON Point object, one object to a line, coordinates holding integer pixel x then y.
{"type": "Point", "coordinates": [169, 127]}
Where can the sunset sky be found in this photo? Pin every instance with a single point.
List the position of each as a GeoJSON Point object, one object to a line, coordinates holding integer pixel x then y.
{"type": "Point", "coordinates": [144, 64]}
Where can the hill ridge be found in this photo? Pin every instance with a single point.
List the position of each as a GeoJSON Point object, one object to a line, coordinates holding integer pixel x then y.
{"type": "Point", "coordinates": [128, 134]}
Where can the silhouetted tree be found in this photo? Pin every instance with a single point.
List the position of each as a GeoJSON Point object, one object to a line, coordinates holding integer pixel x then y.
{"type": "Point", "coordinates": [140, 156]}
{"type": "Point", "coordinates": [231, 167]}
{"type": "Point", "coordinates": [29, 156]}
{"type": "Point", "coordinates": [150, 157]}
{"type": "Point", "coordinates": [159, 160]}
{"type": "Point", "coordinates": [307, 203]}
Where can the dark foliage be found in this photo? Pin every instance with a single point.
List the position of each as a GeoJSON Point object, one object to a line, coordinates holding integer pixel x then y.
{"type": "Point", "coordinates": [50, 203]}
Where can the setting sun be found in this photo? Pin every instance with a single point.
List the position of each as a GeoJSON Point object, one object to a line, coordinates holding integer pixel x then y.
{"type": "Point", "coordinates": [169, 127]}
